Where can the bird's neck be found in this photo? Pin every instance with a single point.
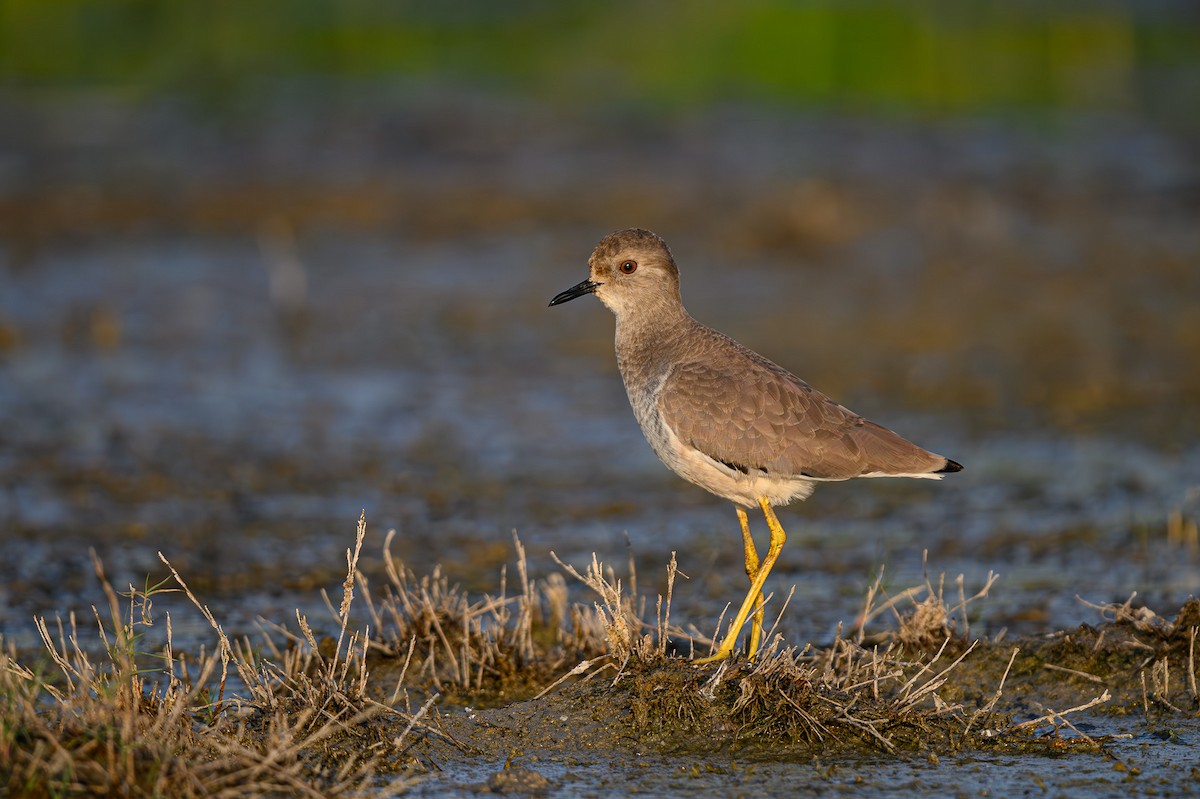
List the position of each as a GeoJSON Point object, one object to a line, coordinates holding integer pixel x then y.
{"type": "Point", "coordinates": [647, 342]}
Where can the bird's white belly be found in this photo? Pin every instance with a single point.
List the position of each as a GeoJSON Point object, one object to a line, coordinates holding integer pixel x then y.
{"type": "Point", "coordinates": [738, 487]}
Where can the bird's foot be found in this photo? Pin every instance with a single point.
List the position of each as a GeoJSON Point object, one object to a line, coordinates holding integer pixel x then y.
{"type": "Point", "coordinates": [724, 653]}
{"type": "Point", "coordinates": [727, 647]}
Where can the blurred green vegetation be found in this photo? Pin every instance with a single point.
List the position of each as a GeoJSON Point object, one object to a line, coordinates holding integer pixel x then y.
{"type": "Point", "coordinates": [921, 58]}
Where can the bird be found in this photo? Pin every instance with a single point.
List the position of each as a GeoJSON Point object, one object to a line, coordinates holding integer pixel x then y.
{"type": "Point", "coordinates": [725, 418]}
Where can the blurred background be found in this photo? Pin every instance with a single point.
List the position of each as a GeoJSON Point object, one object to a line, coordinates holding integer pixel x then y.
{"type": "Point", "coordinates": [265, 264]}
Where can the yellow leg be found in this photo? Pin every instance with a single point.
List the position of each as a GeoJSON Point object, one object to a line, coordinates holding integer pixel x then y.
{"type": "Point", "coordinates": [760, 577]}
{"type": "Point", "coordinates": [756, 621]}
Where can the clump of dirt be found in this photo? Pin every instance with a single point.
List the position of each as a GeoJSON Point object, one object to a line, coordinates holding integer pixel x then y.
{"type": "Point", "coordinates": [1146, 661]}
{"type": "Point", "coordinates": [780, 701]}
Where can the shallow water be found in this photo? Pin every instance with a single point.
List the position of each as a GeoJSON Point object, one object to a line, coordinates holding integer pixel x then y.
{"type": "Point", "coordinates": [1160, 762]}
{"type": "Point", "coordinates": [231, 391]}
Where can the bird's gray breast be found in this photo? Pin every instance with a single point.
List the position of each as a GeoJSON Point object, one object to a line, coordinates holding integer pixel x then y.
{"type": "Point", "coordinates": [644, 375]}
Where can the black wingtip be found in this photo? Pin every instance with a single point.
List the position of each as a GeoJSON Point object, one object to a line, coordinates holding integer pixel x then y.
{"type": "Point", "coordinates": [951, 466]}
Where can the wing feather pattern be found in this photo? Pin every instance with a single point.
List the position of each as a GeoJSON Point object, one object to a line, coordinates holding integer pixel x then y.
{"type": "Point", "coordinates": [751, 414]}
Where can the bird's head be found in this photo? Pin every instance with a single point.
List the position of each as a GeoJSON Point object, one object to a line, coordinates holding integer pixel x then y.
{"type": "Point", "coordinates": [630, 271]}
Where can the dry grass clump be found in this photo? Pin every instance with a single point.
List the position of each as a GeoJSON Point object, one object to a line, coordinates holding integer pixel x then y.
{"type": "Point", "coordinates": [929, 621]}
{"type": "Point", "coordinates": [503, 644]}
{"type": "Point", "coordinates": [132, 723]}
{"type": "Point", "coordinates": [839, 696]}
{"type": "Point", "coordinates": [893, 694]}
{"type": "Point", "coordinates": [617, 618]}
{"type": "Point", "coordinates": [1137, 646]}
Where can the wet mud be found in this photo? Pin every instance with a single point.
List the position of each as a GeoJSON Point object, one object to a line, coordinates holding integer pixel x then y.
{"type": "Point", "coordinates": [665, 725]}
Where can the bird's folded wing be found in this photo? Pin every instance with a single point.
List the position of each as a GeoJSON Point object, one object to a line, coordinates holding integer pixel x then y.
{"type": "Point", "coordinates": [761, 417]}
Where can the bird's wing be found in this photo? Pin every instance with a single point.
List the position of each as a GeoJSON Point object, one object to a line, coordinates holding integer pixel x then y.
{"type": "Point", "coordinates": [757, 416]}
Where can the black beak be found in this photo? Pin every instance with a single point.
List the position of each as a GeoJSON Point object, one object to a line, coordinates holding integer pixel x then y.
{"type": "Point", "coordinates": [578, 290]}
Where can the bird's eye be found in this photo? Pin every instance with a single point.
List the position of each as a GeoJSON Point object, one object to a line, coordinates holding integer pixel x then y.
{"type": "Point", "coordinates": [629, 267]}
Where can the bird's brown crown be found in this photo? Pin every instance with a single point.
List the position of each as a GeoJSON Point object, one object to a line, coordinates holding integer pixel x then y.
{"type": "Point", "coordinates": [631, 239]}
